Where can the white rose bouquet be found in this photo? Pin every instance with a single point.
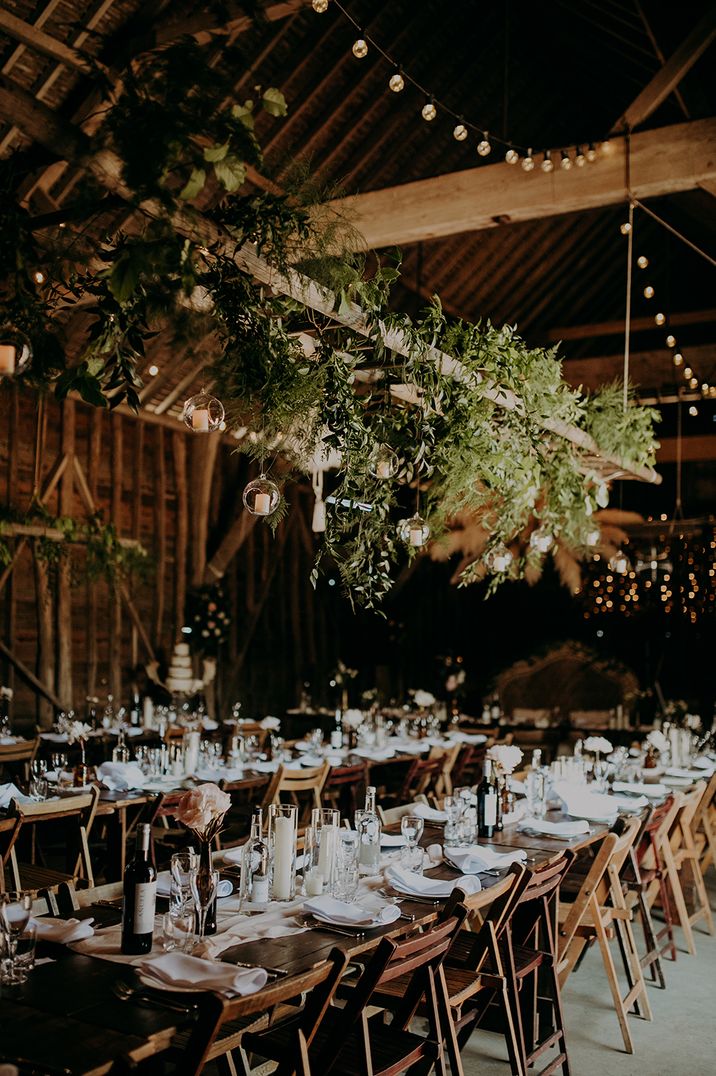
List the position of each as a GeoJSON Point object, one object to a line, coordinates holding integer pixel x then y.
{"type": "Point", "coordinates": [505, 756]}
{"type": "Point", "coordinates": [597, 745]}
{"type": "Point", "coordinates": [423, 699]}
{"type": "Point", "coordinates": [658, 741]}
{"type": "Point", "coordinates": [202, 811]}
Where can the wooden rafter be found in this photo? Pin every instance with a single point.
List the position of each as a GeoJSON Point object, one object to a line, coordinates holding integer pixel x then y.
{"type": "Point", "coordinates": [614, 328]}
{"type": "Point", "coordinates": [663, 161]}
{"type": "Point", "coordinates": [34, 38]}
{"type": "Point", "coordinates": [671, 73]}
{"type": "Point", "coordinates": [106, 167]}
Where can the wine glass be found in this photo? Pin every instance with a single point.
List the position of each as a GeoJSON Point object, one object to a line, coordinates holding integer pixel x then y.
{"type": "Point", "coordinates": [15, 908]}
{"type": "Point", "coordinates": [411, 826]}
{"type": "Point", "coordinates": [204, 885]}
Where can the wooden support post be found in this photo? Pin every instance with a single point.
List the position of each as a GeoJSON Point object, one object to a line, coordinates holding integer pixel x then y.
{"type": "Point", "coordinates": [115, 606]}
{"type": "Point", "coordinates": [203, 458]}
{"type": "Point", "coordinates": [93, 463]}
{"type": "Point", "coordinates": [160, 530]}
{"type": "Point", "coordinates": [12, 454]}
{"type": "Point", "coordinates": [53, 478]}
{"type": "Point", "coordinates": [137, 481]}
{"type": "Point", "coordinates": [181, 544]}
{"type": "Point", "coordinates": [64, 571]}
{"type": "Point", "coordinates": [45, 665]}
{"type": "Point", "coordinates": [29, 676]}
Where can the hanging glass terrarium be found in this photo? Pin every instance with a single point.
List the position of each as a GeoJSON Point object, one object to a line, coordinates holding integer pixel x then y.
{"type": "Point", "coordinates": [15, 351]}
{"type": "Point", "coordinates": [261, 496]}
{"type": "Point", "coordinates": [203, 413]}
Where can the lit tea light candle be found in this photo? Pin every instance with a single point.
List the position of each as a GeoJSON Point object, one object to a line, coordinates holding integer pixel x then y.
{"type": "Point", "coordinates": [262, 504]}
{"type": "Point", "coordinates": [7, 358]}
{"type": "Point", "coordinates": [200, 420]}
{"type": "Point", "coordinates": [313, 882]}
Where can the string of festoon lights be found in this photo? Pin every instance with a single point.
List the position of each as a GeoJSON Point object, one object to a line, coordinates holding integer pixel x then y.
{"type": "Point", "coordinates": [564, 158]}
{"type": "Point", "coordinates": [682, 367]}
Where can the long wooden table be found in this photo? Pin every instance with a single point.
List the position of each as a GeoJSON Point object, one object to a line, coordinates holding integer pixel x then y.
{"type": "Point", "coordinates": [68, 1016]}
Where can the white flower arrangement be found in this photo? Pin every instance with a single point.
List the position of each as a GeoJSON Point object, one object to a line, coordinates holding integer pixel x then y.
{"type": "Point", "coordinates": [6, 693]}
{"type": "Point", "coordinates": [597, 745]}
{"type": "Point", "coordinates": [506, 756]}
{"type": "Point", "coordinates": [77, 731]}
{"type": "Point", "coordinates": [658, 741]}
{"type": "Point", "coordinates": [354, 718]}
{"type": "Point", "coordinates": [273, 724]}
{"type": "Point", "coordinates": [202, 810]}
{"type": "Point", "coordinates": [423, 699]}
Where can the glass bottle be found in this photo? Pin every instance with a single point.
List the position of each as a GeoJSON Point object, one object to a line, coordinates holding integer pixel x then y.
{"type": "Point", "coordinates": [337, 733]}
{"type": "Point", "coordinates": [140, 897]}
{"type": "Point", "coordinates": [254, 885]}
{"type": "Point", "coordinates": [487, 802]}
{"type": "Point", "coordinates": [368, 828]}
{"type": "Point", "coordinates": [120, 753]}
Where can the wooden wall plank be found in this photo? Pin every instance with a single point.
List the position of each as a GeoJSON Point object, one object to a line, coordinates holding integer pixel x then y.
{"type": "Point", "coordinates": [64, 570]}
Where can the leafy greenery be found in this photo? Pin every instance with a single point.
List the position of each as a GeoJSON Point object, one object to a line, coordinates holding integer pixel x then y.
{"type": "Point", "coordinates": [627, 434]}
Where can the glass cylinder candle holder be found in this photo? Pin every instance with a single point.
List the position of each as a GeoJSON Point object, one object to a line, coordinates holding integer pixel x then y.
{"type": "Point", "coordinates": [325, 824]}
{"type": "Point", "coordinates": [282, 833]}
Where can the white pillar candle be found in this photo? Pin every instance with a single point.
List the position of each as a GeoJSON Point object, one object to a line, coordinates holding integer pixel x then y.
{"type": "Point", "coordinates": [191, 751]}
{"type": "Point", "coordinates": [415, 536]}
{"type": "Point", "coordinates": [313, 882]}
{"type": "Point", "coordinates": [282, 857]}
{"type": "Point", "coordinates": [262, 504]}
{"type": "Point", "coordinates": [200, 420]}
{"type": "Point", "coordinates": [7, 358]}
{"type": "Point", "coordinates": [327, 851]}
{"type": "Point", "coordinates": [147, 713]}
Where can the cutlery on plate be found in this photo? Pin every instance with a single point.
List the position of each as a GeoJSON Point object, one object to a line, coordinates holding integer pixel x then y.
{"type": "Point", "coordinates": [125, 992]}
{"type": "Point", "coordinates": [273, 973]}
{"type": "Point", "coordinates": [394, 894]}
{"type": "Point", "coordinates": [331, 929]}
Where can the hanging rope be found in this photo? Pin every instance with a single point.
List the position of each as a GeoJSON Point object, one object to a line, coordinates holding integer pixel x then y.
{"type": "Point", "coordinates": [630, 251]}
{"type": "Point", "coordinates": [670, 228]}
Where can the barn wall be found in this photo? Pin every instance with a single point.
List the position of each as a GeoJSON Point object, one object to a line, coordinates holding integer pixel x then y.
{"type": "Point", "coordinates": [278, 633]}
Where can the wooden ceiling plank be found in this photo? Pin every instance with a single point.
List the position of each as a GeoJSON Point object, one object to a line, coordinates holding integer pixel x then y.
{"type": "Point", "coordinates": [34, 38]}
{"type": "Point", "coordinates": [663, 161]}
{"type": "Point", "coordinates": [670, 75]}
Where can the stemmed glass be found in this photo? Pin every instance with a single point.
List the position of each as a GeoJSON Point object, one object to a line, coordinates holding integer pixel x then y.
{"type": "Point", "coordinates": [204, 885]}
{"type": "Point", "coordinates": [411, 826]}
{"type": "Point", "coordinates": [15, 908]}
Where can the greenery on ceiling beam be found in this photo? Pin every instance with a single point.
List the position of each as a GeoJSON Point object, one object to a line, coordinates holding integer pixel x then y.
{"type": "Point", "coordinates": [459, 450]}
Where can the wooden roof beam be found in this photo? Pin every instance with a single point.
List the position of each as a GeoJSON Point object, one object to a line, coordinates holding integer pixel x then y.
{"type": "Point", "coordinates": [663, 161]}
{"type": "Point", "coordinates": [41, 124]}
{"type": "Point", "coordinates": [670, 75]}
{"type": "Point", "coordinates": [615, 328]}
{"type": "Point", "coordinates": [37, 40]}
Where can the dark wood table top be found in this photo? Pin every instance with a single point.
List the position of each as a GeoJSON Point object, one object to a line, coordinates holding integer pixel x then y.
{"type": "Point", "coordinates": [68, 1015]}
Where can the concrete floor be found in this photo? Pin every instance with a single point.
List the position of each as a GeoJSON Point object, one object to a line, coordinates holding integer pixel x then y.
{"type": "Point", "coordinates": [681, 1040]}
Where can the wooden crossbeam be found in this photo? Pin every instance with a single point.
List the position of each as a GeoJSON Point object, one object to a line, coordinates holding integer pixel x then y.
{"type": "Point", "coordinates": [43, 125]}
{"type": "Point", "coordinates": [36, 39]}
{"type": "Point", "coordinates": [28, 675]}
{"type": "Point", "coordinates": [695, 448]}
{"type": "Point", "coordinates": [663, 161]}
{"type": "Point", "coordinates": [671, 73]}
{"type": "Point", "coordinates": [616, 328]}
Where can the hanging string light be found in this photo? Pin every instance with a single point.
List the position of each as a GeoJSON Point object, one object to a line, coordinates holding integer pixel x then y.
{"type": "Point", "coordinates": [398, 80]}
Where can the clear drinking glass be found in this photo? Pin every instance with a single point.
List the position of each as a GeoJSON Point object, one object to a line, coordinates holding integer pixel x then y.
{"type": "Point", "coordinates": [15, 908]}
{"type": "Point", "coordinates": [204, 885]}
{"type": "Point", "coordinates": [411, 826]}
{"type": "Point", "coordinates": [25, 949]}
{"type": "Point", "coordinates": [535, 791]}
{"type": "Point", "coordinates": [452, 807]}
{"type": "Point", "coordinates": [181, 866]}
{"type": "Point", "coordinates": [58, 763]}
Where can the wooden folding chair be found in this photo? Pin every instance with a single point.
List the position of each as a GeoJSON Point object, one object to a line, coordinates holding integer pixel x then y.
{"type": "Point", "coordinates": [422, 777]}
{"type": "Point", "coordinates": [682, 858]}
{"type": "Point", "coordinates": [705, 827]}
{"type": "Point", "coordinates": [468, 765]}
{"type": "Point", "coordinates": [390, 815]}
{"type": "Point", "coordinates": [635, 882]}
{"type": "Point", "coordinates": [598, 913]}
{"type": "Point", "coordinates": [9, 829]}
{"type": "Point", "coordinates": [224, 1024]}
{"type": "Point", "coordinates": [68, 898]}
{"type": "Point", "coordinates": [345, 788]}
{"type": "Point", "coordinates": [444, 783]}
{"type": "Point", "coordinates": [349, 1042]}
{"type": "Point", "coordinates": [290, 783]}
{"type": "Point", "coordinates": [23, 752]}
{"type": "Point", "coordinates": [78, 812]}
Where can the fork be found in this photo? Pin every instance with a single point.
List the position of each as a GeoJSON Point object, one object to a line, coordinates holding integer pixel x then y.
{"type": "Point", "coordinates": [125, 992]}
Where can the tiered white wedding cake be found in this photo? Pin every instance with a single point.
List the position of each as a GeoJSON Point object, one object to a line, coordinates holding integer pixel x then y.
{"type": "Point", "coordinates": [180, 677]}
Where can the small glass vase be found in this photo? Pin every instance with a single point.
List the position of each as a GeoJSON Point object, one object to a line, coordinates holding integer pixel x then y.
{"type": "Point", "coordinates": [282, 834]}
{"type": "Point", "coordinates": [80, 774]}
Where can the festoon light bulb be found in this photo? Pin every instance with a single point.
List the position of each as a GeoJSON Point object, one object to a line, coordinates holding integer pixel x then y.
{"type": "Point", "coordinates": [396, 82]}
{"type": "Point", "coordinates": [429, 111]}
{"type": "Point", "coordinates": [360, 48]}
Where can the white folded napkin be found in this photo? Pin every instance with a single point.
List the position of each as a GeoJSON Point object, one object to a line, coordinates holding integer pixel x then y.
{"type": "Point", "coordinates": [310, 760]}
{"type": "Point", "coordinates": [164, 885]}
{"type": "Point", "coordinates": [676, 771]}
{"type": "Point", "coordinates": [263, 767]}
{"type": "Point", "coordinates": [560, 830]}
{"type": "Point", "coordinates": [54, 737]}
{"type": "Point", "coordinates": [7, 740]}
{"type": "Point", "coordinates": [468, 737]}
{"type": "Point", "coordinates": [393, 840]}
{"type": "Point", "coordinates": [477, 858]}
{"type": "Point", "coordinates": [330, 910]}
{"type": "Point", "coordinates": [179, 969]}
{"type": "Point", "coordinates": [412, 747]}
{"type": "Point", "coordinates": [271, 723]}
{"type": "Point", "coordinates": [63, 931]}
{"type": "Point", "coordinates": [630, 803]}
{"type": "Point", "coordinates": [9, 792]}
{"type": "Point", "coordinates": [653, 791]}
{"type": "Point", "coordinates": [419, 885]}
{"type": "Point", "coordinates": [704, 764]}
{"type": "Point", "coordinates": [429, 814]}
{"type": "Point", "coordinates": [302, 745]}
{"type": "Point", "coordinates": [375, 754]}
{"type": "Point", "coordinates": [209, 725]}
{"type": "Point", "coordinates": [120, 776]}
{"type": "Point", "coordinates": [580, 803]}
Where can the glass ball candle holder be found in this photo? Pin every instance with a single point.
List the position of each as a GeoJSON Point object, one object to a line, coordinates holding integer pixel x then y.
{"type": "Point", "coordinates": [542, 540]}
{"type": "Point", "coordinates": [414, 531]}
{"type": "Point", "coordinates": [383, 462]}
{"type": "Point", "coordinates": [261, 496]}
{"type": "Point", "coordinates": [499, 559]}
{"type": "Point", "coordinates": [15, 351]}
{"type": "Point", "coordinates": [203, 413]}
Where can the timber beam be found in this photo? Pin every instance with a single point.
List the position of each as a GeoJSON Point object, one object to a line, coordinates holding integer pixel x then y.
{"type": "Point", "coordinates": [662, 161]}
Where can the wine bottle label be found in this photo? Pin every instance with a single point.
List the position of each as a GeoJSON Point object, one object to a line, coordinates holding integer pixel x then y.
{"type": "Point", "coordinates": [491, 809]}
{"type": "Point", "coordinates": [145, 902]}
